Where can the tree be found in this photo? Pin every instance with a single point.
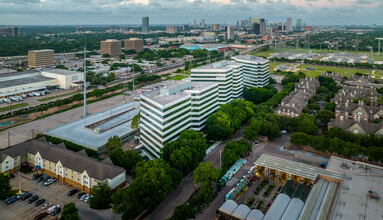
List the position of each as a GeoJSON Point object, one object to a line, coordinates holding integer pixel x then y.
{"type": "Point", "coordinates": [300, 139]}
{"type": "Point", "coordinates": [59, 103]}
{"type": "Point", "coordinates": [105, 55]}
{"type": "Point", "coordinates": [185, 153]}
{"type": "Point", "coordinates": [113, 143]}
{"type": "Point", "coordinates": [233, 151]}
{"type": "Point", "coordinates": [252, 131]}
{"type": "Point", "coordinates": [258, 95]}
{"type": "Point", "coordinates": [70, 212]}
{"type": "Point", "coordinates": [218, 126]}
{"type": "Point", "coordinates": [126, 159]}
{"type": "Point", "coordinates": [122, 56]}
{"type": "Point", "coordinates": [330, 106]}
{"type": "Point", "coordinates": [307, 126]}
{"type": "Point", "coordinates": [182, 212]}
{"type": "Point", "coordinates": [97, 92]}
{"type": "Point", "coordinates": [153, 180]}
{"type": "Point", "coordinates": [101, 196]}
{"type": "Point", "coordinates": [325, 116]}
{"type": "Point", "coordinates": [136, 121]}
{"type": "Point", "coordinates": [206, 172]}
{"type": "Point", "coordinates": [270, 130]}
{"type": "Point", "coordinates": [5, 186]}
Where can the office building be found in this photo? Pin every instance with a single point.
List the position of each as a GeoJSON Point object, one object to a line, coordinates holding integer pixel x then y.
{"type": "Point", "coordinates": [255, 28]}
{"type": "Point", "coordinates": [230, 32]}
{"type": "Point", "coordinates": [229, 76]}
{"type": "Point", "coordinates": [281, 27]}
{"type": "Point", "coordinates": [195, 24]}
{"type": "Point", "coordinates": [185, 27]}
{"type": "Point", "coordinates": [40, 58]}
{"type": "Point", "coordinates": [134, 44]}
{"type": "Point", "coordinates": [171, 29]}
{"type": "Point", "coordinates": [215, 27]}
{"type": "Point", "coordinates": [289, 25]}
{"type": "Point", "coordinates": [145, 24]}
{"type": "Point", "coordinates": [112, 47]}
{"type": "Point", "coordinates": [260, 28]}
{"type": "Point", "coordinates": [12, 31]}
{"type": "Point", "coordinates": [172, 107]}
{"type": "Point", "coordinates": [255, 70]}
{"type": "Point", "coordinates": [299, 24]}
{"type": "Point", "coordinates": [74, 168]}
{"type": "Point", "coordinates": [203, 23]}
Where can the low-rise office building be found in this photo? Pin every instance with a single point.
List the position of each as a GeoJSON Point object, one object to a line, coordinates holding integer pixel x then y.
{"type": "Point", "coordinates": [229, 76]}
{"type": "Point", "coordinates": [172, 107]}
{"type": "Point", "coordinates": [74, 168]}
{"type": "Point", "coordinates": [256, 70]}
{"type": "Point", "coordinates": [40, 58]}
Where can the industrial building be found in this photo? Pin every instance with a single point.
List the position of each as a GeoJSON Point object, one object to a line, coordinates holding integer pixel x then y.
{"type": "Point", "coordinates": [40, 58]}
{"type": "Point", "coordinates": [229, 76]}
{"type": "Point", "coordinates": [24, 82]}
{"type": "Point", "coordinates": [256, 70]}
{"type": "Point", "coordinates": [134, 44]}
{"type": "Point", "coordinates": [112, 47]}
{"type": "Point", "coordinates": [66, 79]}
{"type": "Point", "coordinates": [94, 131]}
{"type": "Point", "coordinates": [172, 107]}
{"type": "Point", "coordinates": [74, 168]}
{"type": "Point", "coordinates": [171, 29]}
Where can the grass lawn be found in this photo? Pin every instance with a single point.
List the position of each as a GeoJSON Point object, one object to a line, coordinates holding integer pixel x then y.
{"type": "Point", "coordinates": [57, 96]}
{"type": "Point", "coordinates": [14, 106]}
{"type": "Point", "coordinates": [177, 77]}
{"type": "Point", "coordinates": [346, 71]}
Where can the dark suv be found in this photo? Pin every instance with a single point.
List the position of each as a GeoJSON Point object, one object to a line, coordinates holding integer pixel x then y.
{"type": "Point", "coordinates": [72, 192]}
{"type": "Point", "coordinates": [26, 196]}
{"type": "Point", "coordinates": [34, 198]}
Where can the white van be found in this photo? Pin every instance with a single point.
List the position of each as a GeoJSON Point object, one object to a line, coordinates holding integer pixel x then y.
{"type": "Point", "coordinates": [36, 93]}
{"type": "Point", "coordinates": [51, 209]}
{"type": "Point", "coordinates": [31, 94]}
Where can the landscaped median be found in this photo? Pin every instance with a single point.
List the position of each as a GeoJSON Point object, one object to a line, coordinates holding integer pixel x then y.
{"type": "Point", "coordinates": [14, 106]}
{"type": "Point", "coordinates": [57, 96]}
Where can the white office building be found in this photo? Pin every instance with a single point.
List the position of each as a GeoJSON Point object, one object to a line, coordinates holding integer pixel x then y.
{"type": "Point", "coordinates": [172, 107]}
{"type": "Point", "coordinates": [255, 70]}
{"type": "Point", "coordinates": [229, 76]}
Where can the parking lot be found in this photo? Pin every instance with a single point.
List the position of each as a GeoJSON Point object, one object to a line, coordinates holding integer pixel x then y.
{"type": "Point", "coordinates": [56, 193]}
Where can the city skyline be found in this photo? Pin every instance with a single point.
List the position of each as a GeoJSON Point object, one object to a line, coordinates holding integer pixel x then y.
{"type": "Point", "coordinates": [313, 12]}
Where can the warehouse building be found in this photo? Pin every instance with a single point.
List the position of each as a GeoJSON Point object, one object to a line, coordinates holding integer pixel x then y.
{"type": "Point", "coordinates": [66, 79]}
{"type": "Point", "coordinates": [172, 107]}
{"type": "Point", "coordinates": [74, 168]}
{"type": "Point", "coordinates": [256, 70]}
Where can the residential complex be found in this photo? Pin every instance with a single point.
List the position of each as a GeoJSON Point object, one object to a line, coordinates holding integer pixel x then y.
{"type": "Point", "coordinates": [171, 29]}
{"type": "Point", "coordinates": [293, 104]}
{"type": "Point", "coordinates": [145, 24]}
{"type": "Point", "coordinates": [134, 44]}
{"type": "Point", "coordinates": [255, 70]}
{"type": "Point", "coordinates": [74, 168]}
{"type": "Point", "coordinates": [40, 58]}
{"type": "Point", "coordinates": [229, 76]}
{"type": "Point", "coordinates": [112, 47]}
{"type": "Point", "coordinates": [12, 31]}
{"type": "Point", "coordinates": [172, 107]}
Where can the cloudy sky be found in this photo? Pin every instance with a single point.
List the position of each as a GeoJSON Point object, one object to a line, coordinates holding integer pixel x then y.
{"type": "Point", "coordinates": [40, 12]}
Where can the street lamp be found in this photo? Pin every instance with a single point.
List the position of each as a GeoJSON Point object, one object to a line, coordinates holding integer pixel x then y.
{"type": "Point", "coordinates": [220, 161]}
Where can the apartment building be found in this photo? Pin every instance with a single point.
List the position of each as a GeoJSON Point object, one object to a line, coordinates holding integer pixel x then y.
{"type": "Point", "coordinates": [358, 110]}
{"type": "Point", "coordinates": [255, 70]}
{"type": "Point", "coordinates": [351, 93]}
{"type": "Point", "coordinates": [134, 44]}
{"type": "Point", "coordinates": [74, 168]}
{"type": "Point", "coordinates": [172, 107]}
{"type": "Point", "coordinates": [293, 104]}
{"type": "Point", "coordinates": [112, 47]}
{"type": "Point", "coordinates": [356, 125]}
{"type": "Point", "coordinates": [40, 58]}
{"type": "Point", "coordinates": [229, 76]}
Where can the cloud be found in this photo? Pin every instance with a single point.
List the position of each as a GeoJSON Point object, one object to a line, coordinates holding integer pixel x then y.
{"type": "Point", "coordinates": [185, 11]}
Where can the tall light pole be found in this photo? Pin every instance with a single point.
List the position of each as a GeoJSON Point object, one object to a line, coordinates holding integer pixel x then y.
{"type": "Point", "coordinates": [379, 38]}
{"type": "Point", "coordinates": [220, 160]}
{"type": "Point", "coordinates": [85, 112]}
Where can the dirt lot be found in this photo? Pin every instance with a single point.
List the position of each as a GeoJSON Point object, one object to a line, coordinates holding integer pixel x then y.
{"type": "Point", "coordinates": [56, 193]}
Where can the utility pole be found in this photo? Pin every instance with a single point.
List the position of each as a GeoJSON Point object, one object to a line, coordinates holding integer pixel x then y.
{"type": "Point", "coordinates": [220, 160]}
{"type": "Point", "coordinates": [85, 111]}
{"type": "Point", "coordinates": [9, 140]}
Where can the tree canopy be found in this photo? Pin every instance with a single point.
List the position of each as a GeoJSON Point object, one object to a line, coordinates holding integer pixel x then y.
{"type": "Point", "coordinates": [233, 151]}
{"type": "Point", "coordinates": [5, 186]}
{"type": "Point", "coordinates": [70, 212]}
{"type": "Point", "coordinates": [101, 196]}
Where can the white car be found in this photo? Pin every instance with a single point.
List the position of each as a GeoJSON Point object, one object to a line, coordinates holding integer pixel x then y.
{"type": "Point", "coordinates": [31, 94]}
{"type": "Point", "coordinates": [50, 181]}
{"type": "Point", "coordinates": [84, 197]}
{"type": "Point", "coordinates": [52, 208]}
{"type": "Point", "coordinates": [46, 205]}
{"type": "Point", "coordinates": [283, 132]}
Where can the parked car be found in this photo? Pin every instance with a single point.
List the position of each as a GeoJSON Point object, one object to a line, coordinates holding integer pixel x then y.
{"type": "Point", "coordinates": [84, 197]}
{"type": "Point", "coordinates": [72, 192]}
{"type": "Point", "coordinates": [56, 211]}
{"type": "Point", "coordinates": [47, 91]}
{"type": "Point", "coordinates": [35, 177]}
{"type": "Point", "coordinates": [26, 196]}
{"type": "Point", "coordinates": [51, 209]}
{"type": "Point", "coordinates": [283, 132]}
{"type": "Point", "coordinates": [50, 181]}
{"type": "Point", "coordinates": [41, 216]}
{"type": "Point", "coordinates": [11, 200]}
{"type": "Point", "coordinates": [31, 94]}
{"type": "Point", "coordinates": [23, 95]}
{"type": "Point", "coordinates": [80, 195]}
{"type": "Point", "coordinates": [12, 175]}
{"type": "Point", "coordinates": [40, 179]}
{"type": "Point", "coordinates": [39, 202]}
{"type": "Point", "coordinates": [34, 198]}
{"type": "Point", "coordinates": [36, 94]}
{"type": "Point", "coordinates": [8, 198]}
{"type": "Point", "coordinates": [46, 205]}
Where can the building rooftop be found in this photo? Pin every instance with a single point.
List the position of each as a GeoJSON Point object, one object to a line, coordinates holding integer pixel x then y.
{"type": "Point", "coordinates": [295, 168]}
{"type": "Point", "coordinates": [362, 183]}
{"type": "Point", "coordinates": [250, 58]}
{"type": "Point", "coordinates": [24, 81]}
{"type": "Point", "coordinates": [42, 50]}
{"type": "Point", "coordinates": [222, 66]}
{"type": "Point", "coordinates": [61, 72]}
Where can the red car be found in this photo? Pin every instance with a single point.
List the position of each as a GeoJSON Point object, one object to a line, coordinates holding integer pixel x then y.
{"type": "Point", "coordinates": [41, 216]}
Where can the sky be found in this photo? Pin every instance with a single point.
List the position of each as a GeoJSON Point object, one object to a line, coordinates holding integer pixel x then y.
{"type": "Point", "coordinates": [78, 12]}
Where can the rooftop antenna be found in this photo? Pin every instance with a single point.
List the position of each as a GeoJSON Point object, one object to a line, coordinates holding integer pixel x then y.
{"type": "Point", "coordinates": [85, 112]}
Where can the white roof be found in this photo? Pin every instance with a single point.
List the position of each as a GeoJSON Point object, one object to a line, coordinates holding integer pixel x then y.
{"type": "Point", "coordinates": [276, 210]}
{"type": "Point", "coordinates": [228, 207]}
{"type": "Point", "coordinates": [293, 209]}
{"type": "Point", "coordinates": [255, 214]}
{"type": "Point", "coordinates": [241, 211]}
